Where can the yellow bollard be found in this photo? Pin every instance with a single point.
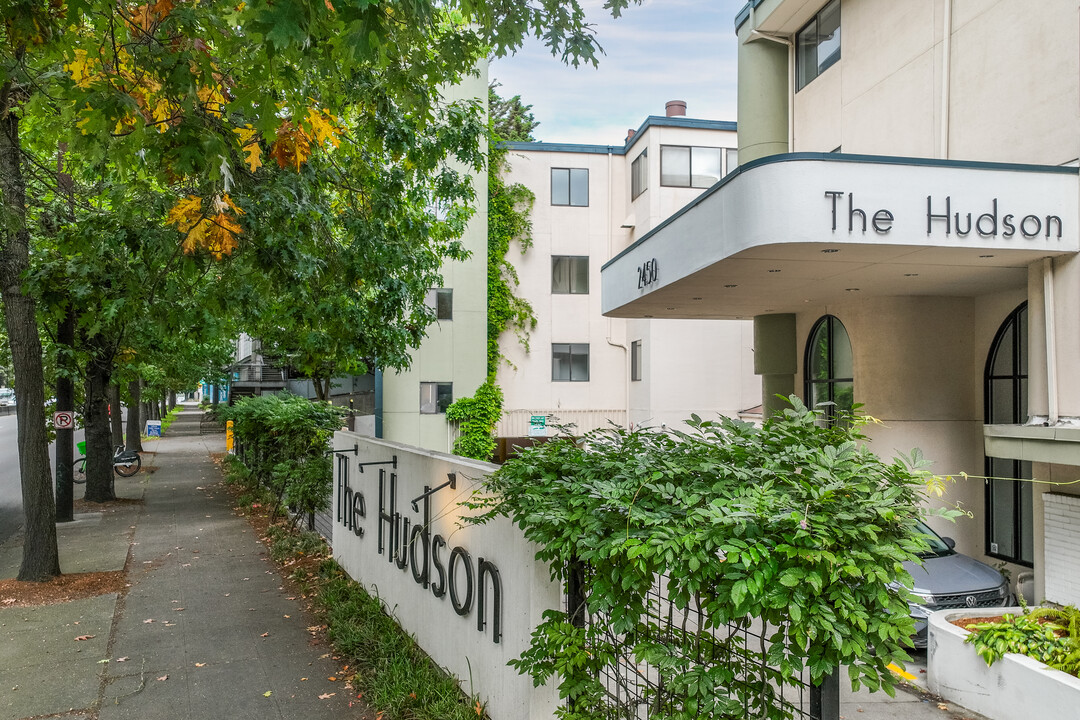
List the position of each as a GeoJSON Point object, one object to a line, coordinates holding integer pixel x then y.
{"type": "Point", "coordinates": [228, 437]}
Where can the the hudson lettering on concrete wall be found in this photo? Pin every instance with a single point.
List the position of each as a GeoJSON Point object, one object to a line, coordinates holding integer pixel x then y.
{"type": "Point", "coordinates": [408, 543]}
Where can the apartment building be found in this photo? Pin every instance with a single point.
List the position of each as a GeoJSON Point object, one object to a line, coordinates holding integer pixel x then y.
{"type": "Point", "coordinates": [903, 229]}
{"type": "Point", "coordinates": [592, 202]}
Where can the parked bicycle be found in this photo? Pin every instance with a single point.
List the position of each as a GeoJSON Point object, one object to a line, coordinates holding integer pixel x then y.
{"type": "Point", "coordinates": [125, 463]}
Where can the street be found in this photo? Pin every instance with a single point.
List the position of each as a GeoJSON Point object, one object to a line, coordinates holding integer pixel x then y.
{"type": "Point", "coordinates": [10, 486]}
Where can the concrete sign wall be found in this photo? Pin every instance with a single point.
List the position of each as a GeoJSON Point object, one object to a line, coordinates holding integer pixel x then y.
{"type": "Point", "coordinates": [471, 595]}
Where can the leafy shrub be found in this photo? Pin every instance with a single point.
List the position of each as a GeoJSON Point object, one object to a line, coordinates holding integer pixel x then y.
{"type": "Point", "coordinates": [793, 524]}
{"type": "Point", "coordinates": [1049, 635]}
{"type": "Point", "coordinates": [281, 442]}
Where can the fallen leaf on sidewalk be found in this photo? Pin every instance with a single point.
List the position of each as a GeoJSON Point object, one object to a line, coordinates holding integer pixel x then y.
{"type": "Point", "coordinates": [163, 678]}
{"type": "Point", "coordinates": [268, 693]}
{"type": "Point", "coordinates": [84, 637]}
{"type": "Point", "coordinates": [102, 662]}
{"type": "Point", "coordinates": [200, 664]}
{"type": "Point", "coordinates": [327, 695]}
{"type": "Point", "coordinates": [265, 634]}
{"type": "Point", "coordinates": [332, 678]}
{"type": "Point", "coordinates": [177, 609]}
{"type": "Point", "coordinates": [942, 706]}
{"type": "Point", "coordinates": [147, 621]}
{"type": "Point", "coordinates": [123, 659]}
{"type": "Point", "coordinates": [303, 679]}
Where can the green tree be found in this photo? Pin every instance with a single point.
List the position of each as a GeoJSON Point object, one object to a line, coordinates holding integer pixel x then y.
{"type": "Point", "coordinates": [511, 119]}
{"type": "Point", "coordinates": [196, 98]}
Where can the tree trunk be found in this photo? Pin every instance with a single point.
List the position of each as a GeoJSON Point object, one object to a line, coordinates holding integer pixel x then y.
{"type": "Point", "coordinates": [214, 395]}
{"type": "Point", "coordinates": [116, 415]}
{"type": "Point", "coordinates": [40, 559]}
{"type": "Point", "coordinates": [322, 388]}
{"type": "Point", "coordinates": [172, 399]}
{"type": "Point", "coordinates": [99, 449]}
{"type": "Point", "coordinates": [135, 417]}
{"type": "Point", "coordinates": [164, 407]}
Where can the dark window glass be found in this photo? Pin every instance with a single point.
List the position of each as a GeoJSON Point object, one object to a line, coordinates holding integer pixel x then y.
{"type": "Point", "coordinates": [570, 362]}
{"type": "Point", "coordinates": [817, 45]}
{"type": "Point", "coordinates": [635, 360]}
{"type": "Point", "coordinates": [435, 397]}
{"type": "Point", "coordinates": [829, 370]}
{"type": "Point", "coordinates": [639, 175]}
{"type": "Point", "coordinates": [570, 186]}
{"type": "Point", "coordinates": [441, 300]}
{"type": "Point", "coordinates": [570, 274]}
{"type": "Point", "coordinates": [1009, 519]}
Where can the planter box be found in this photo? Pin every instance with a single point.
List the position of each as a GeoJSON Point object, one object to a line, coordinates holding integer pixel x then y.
{"type": "Point", "coordinates": [1014, 688]}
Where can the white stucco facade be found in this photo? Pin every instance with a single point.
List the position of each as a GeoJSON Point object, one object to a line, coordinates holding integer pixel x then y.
{"type": "Point", "coordinates": [919, 106]}
{"type": "Point", "coordinates": [693, 366]}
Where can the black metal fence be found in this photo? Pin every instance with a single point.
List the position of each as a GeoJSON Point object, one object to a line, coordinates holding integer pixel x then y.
{"type": "Point", "coordinates": [732, 658]}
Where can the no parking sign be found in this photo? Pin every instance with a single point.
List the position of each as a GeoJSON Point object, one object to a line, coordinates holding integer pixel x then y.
{"type": "Point", "coordinates": [64, 420]}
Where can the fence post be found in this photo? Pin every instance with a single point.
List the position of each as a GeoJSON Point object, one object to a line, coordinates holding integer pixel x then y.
{"type": "Point", "coordinates": [825, 697]}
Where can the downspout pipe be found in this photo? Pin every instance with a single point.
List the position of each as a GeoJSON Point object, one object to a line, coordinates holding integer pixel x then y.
{"type": "Point", "coordinates": [610, 321]}
{"type": "Point", "coordinates": [946, 79]}
{"type": "Point", "coordinates": [1051, 342]}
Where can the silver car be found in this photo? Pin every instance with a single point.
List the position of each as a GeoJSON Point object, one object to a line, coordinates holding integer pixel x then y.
{"type": "Point", "coordinates": [946, 579]}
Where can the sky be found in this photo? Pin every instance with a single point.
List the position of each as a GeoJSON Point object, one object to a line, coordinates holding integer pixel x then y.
{"type": "Point", "coordinates": [657, 51]}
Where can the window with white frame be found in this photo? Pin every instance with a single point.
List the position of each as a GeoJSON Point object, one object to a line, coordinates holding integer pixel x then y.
{"type": "Point", "coordinates": [639, 174]}
{"type": "Point", "coordinates": [441, 301]}
{"type": "Point", "coordinates": [570, 186]}
{"type": "Point", "coordinates": [635, 360]}
{"type": "Point", "coordinates": [570, 274]}
{"type": "Point", "coordinates": [817, 45]}
{"type": "Point", "coordinates": [690, 166]}
{"type": "Point", "coordinates": [570, 362]}
{"type": "Point", "coordinates": [435, 397]}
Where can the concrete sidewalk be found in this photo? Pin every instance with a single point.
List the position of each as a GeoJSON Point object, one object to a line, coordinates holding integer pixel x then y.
{"type": "Point", "coordinates": [204, 629]}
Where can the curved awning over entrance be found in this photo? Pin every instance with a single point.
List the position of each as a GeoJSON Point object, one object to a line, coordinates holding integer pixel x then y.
{"type": "Point", "coordinates": [801, 228]}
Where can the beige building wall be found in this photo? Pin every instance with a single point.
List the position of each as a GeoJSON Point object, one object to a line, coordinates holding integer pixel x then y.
{"type": "Point", "coordinates": [896, 73]}
{"type": "Point", "coordinates": [979, 80]}
{"type": "Point", "coordinates": [453, 351]}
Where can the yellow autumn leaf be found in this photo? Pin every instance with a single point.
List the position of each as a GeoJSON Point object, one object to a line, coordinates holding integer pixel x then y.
{"type": "Point", "coordinates": [212, 99]}
{"type": "Point", "coordinates": [249, 144]}
{"type": "Point", "coordinates": [324, 127]}
{"type": "Point", "coordinates": [186, 213]}
{"type": "Point", "coordinates": [82, 68]}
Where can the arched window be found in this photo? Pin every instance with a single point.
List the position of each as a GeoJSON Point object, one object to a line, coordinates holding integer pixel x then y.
{"type": "Point", "coordinates": [828, 368]}
{"type": "Point", "coordinates": [1009, 524]}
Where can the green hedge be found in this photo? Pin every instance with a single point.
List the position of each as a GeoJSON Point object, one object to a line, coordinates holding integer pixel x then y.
{"type": "Point", "coordinates": [282, 441]}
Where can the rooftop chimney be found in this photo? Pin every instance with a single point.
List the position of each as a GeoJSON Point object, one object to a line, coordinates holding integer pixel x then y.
{"type": "Point", "coordinates": [676, 108]}
{"type": "Point", "coordinates": [630, 134]}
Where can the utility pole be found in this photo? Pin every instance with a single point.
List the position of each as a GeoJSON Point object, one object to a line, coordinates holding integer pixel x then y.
{"type": "Point", "coordinates": [65, 388]}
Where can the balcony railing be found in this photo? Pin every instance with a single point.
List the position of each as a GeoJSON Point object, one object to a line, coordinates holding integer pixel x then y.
{"type": "Point", "coordinates": [257, 374]}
